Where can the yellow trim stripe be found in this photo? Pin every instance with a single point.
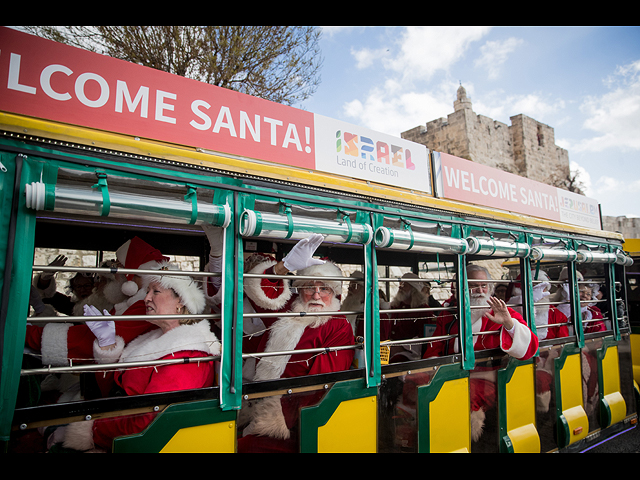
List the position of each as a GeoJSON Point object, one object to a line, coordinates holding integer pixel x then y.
{"type": "Point", "coordinates": [190, 155]}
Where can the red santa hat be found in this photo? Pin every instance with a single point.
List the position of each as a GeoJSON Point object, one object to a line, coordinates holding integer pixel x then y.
{"type": "Point", "coordinates": [191, 295]}
{"type": "Point", "coordinates": [137, 254]}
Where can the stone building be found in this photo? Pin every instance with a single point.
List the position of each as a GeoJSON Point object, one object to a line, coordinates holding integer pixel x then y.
{"type": "Point", "coordinates": [526, 148]}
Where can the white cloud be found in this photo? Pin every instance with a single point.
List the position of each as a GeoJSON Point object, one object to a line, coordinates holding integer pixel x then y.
{"type": "Point", "coordinates": [388, 110]}
{"type": "Point", "coordinates": [615, 116]}
{"type": "Point", "coordinates": [495, 53]}
{"type": "Point", "coordinates": [419, 52]}
{"type": "Point", "coordinates": [412, 59]}
{"type": "Point", "coordinates": [501, 107]}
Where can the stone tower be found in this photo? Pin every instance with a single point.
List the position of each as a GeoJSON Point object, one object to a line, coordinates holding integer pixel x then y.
{"type": "Point", "coordinates": [526, 148]}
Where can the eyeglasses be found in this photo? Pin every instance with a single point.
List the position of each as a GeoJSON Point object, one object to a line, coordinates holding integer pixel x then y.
{"type": "Point", "coordinates": [310, 291]}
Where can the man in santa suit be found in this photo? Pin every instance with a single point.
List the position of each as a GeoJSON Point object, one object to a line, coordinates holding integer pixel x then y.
{"type": "Point", "coordinates": [550, 323]}
{"type": "Point", "coordinates": [406, 325]}
{"type": "Point", "coordinates": [59, 342]}
{"type": "Point", "coordinates": [271, 420]}
{"type": "Point", "coordinates": [514, 338]}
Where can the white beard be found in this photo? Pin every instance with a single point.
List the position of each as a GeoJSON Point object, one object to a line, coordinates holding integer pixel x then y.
{"type": "Point", "coordinates": [478, 300]}
{"type": "Point", "coordinates": [285, 334]}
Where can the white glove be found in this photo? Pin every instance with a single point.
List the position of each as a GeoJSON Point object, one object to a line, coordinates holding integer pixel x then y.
{"type": "Point", "coordinates": [105, 331]}
{"type": "Point", "coordinates": [539, 291]}
{"type": "Point", "coordinates": [301, 255]}
{"type": "Point", "coordinates": [215, 237]}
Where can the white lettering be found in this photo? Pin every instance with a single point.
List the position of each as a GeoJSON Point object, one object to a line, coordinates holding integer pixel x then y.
{"type": "Point", "coordinates": [473, 185]}
{"type": "Point", "coordinates": [161, 106]}
{"type": "Point", "coordinates": [245, 122]}
{"type": "Point", "coordinates": [274, 124]}
{"type": "Point", "coordinates": [504, 190]}
{"type": "Point", "coordinates": [292, 137]}
{"type": "Point", "coordinates": [224, 120]}
{"type": "Point", "coordinates": [45, 81]}
{"type": "Point", "coordinates": [14, 76]}
{"type": "Point", "coordinates": [195, 105]}
{"type": "Point", "coordinates": [465, 181]}
{"type": "Point", "coordinates": [483, 179]}
{"type": "Point", "coordinates": [453, 177]}
{"type": "Point", "coordinates": [523, 194]}
{"type": "Point", "coordinates": [493, 187]}
{"type": "Point", "coordinates": [142, 99]}
{"type": "Point", "coordinates": [104, 90]}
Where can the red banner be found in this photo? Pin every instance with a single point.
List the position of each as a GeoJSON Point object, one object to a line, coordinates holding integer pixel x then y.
{"type": "Point", "coordinates": [50, 80]}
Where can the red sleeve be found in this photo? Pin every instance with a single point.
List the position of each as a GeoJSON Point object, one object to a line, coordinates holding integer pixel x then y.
{"type": "Point", "coordinates": [339, 334]}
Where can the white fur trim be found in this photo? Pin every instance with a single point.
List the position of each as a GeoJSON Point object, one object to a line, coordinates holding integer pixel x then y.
{"type": "Point", "coordinates": [477, 424]}
{"type": "Point", "coordinates": [268, 419]}
{"type": "Point", "coordinates": [79, 436]}
{"type": "Point", "coordinates": [191, 295]}
{"type": "Point", "coordinates": [129, 288]}
{"type": "Point", "coordinates": [327, 269]}
{"type": "Point", "coordinates": [253, 289]}
{"type": "Point", "coordinates": [154, 345]}
{"type": "Point", "coordinates": [521, 340]}
{"type": "Point", "coordinates": [108, 356]}
{"type": "Point", "coordinates": [54, 344]}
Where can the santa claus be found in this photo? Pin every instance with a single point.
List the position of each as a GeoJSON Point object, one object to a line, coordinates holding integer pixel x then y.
{"type": "Point", "coordinates": [550, 323]}
{"type": "Point", "coordinates": [491, 314]}
{"type": "Point", "coordinates": [270, 421]}
{"type": "Point", "coordinates": [404, 325]}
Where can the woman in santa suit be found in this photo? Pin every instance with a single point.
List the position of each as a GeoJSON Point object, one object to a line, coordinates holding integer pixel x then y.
{"type": "Point", "coordinates": [58, 342]}
{"type": "Point", "coordinates": [271, 420]}
{"type": "Point", "coordinates": [174, 338]}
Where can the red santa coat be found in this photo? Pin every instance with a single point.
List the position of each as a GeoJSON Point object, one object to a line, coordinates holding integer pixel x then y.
{"type": "Point", "coordinates": [274, 417]}
{"type": "Point", "coordinates": [593, 313]}
{"type": "Point", "coordinates": [59, 342]}
{"type": "Point", "coordinates": [557, 317]}
{"type": "Point", "coordinates": [523, 345]}
{"type": "Point", "coordinates": [153, 345]}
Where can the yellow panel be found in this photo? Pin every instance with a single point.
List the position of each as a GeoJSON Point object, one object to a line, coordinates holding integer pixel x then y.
{"type": "Point", "coordinates": [635, 356]}
{"type": "Point", "coordinates": [449, 418]}
{"type": "Point", "coordinates": [521, 397]}
{"type": "Point", "coordinates": [213, 438]}
{"type": "Point", "coordinates": [577, 422]}
{"type": "Point", "coordinates": [352, 428]}
{"type": "Point", "coordinates": [521, 411]}
{"type": "Point", "coordinates": [617, 406]}
{"type": "Point", "coordinates": [611, 371]}
{"type": "Point", "coordinates": [571, 382]}
{"type": "Point", "coordinates": [525, 439]}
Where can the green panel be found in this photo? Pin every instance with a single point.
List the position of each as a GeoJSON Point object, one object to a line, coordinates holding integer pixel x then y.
{"type": "Point", "coordinates": [164, 427]}
{"type": "Point", "coordinates": [15, 305]}
{"type": "Point", "coordinates": [312, 418]}
{"type": "Point", "coordinates": [427, 394]}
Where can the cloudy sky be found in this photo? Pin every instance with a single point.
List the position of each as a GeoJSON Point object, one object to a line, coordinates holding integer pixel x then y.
{"type": "Point", "coordinates": [582, 81]}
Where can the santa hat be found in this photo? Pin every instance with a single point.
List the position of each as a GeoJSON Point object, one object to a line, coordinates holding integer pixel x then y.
{"type": "Point", "coordinates": [327, 269]}
{"type": "Point", "coordinates": [417, 285]}
{"type": "Point", "coordinates": [137, 254]}
{"type": "Point", "coordinates": [191, 295]}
